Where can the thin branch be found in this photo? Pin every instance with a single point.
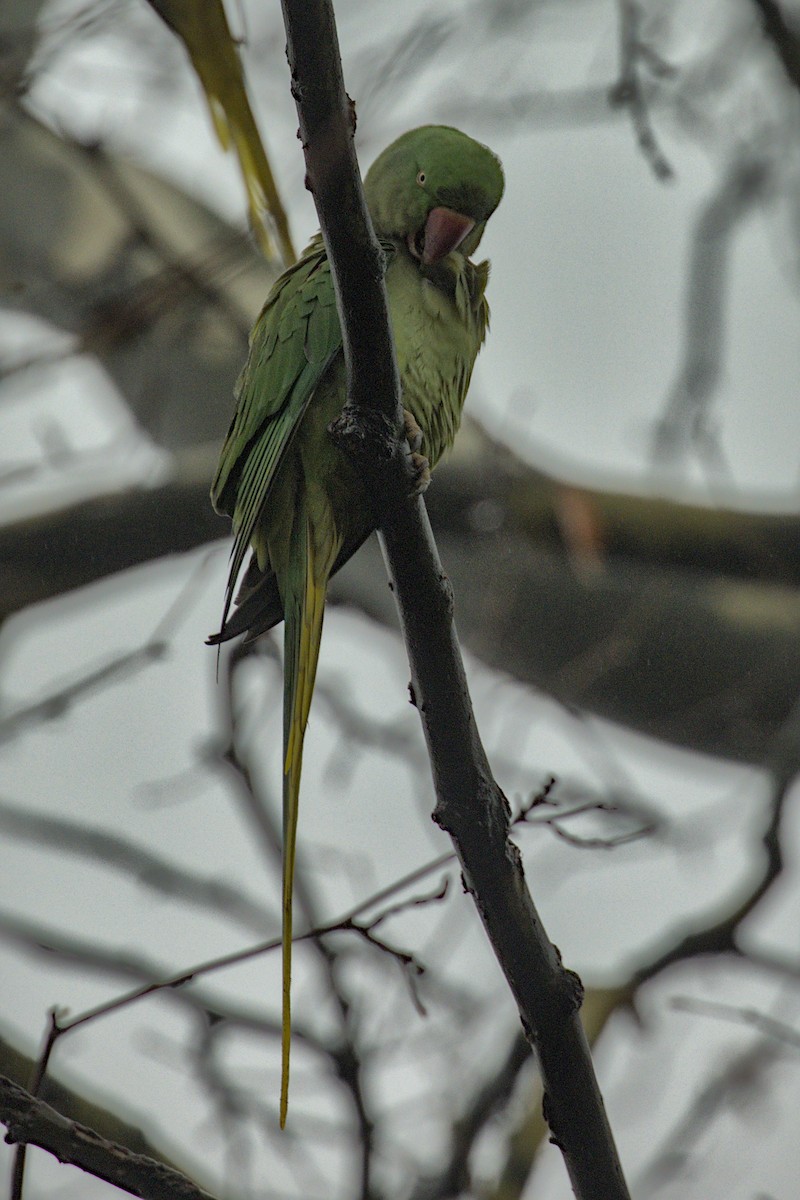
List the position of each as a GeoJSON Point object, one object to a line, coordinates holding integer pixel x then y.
{"type": "Point", "coordinates": [752, 1018]}
{"type": "Point", "coordinates": [40, 1070]}
{"type": "Point", "coordinates": [71, 950]}
{"type": "Point", "coordinates": [553, 811]}
{"type": "Point", "coordinates": [628, 91]}
{"type": "Point", "coordinates": [686, 418]}
{"type": "Point", "coordinates": [456, 1177]}
{"type": "Point", "coordinates": [737, 1079]}
{"type": "Point", "coordinates": [470, 806]}
{"type": "Point", "coordinates": [57, 704]}
{"type": "Point", "coordinates": [151, 870]}
{"type": "Point", "coordinates": [410, 965]}
{"type": "Point", "coordinates": [151, 977]}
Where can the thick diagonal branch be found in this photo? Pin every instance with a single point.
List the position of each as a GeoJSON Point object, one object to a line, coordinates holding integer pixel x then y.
{"type": "Point", "coordinates": [470, 805]}
{"type": "Point", "coordinates": [29, 1120]}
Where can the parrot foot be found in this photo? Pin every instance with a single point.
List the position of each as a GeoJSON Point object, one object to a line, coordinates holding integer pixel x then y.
{"type": "Point", "coordinates": [413, 431]}
{"type": "Point", "coordinates": [420, 473]}
{"type": "Point", "coordinates": [420, 467]}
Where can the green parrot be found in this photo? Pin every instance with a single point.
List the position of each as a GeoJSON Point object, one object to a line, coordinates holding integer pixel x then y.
{"type": "Point", "coordinates": [296, 500]}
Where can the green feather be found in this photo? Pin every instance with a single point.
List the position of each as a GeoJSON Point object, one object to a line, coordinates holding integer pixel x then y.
{"type": "Point", "coordinates": [294, 339]}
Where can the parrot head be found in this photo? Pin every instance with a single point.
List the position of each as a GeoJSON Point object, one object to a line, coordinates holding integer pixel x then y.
{"type": "Point", "coordinates": [433, 190]}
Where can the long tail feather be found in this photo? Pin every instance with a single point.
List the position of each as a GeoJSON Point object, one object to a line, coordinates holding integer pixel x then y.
{"type": "Point", "coordinates": [304, 608]}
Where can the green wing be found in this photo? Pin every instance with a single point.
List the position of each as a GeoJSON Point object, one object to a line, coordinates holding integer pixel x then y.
{"type": "Point", "coordinates": [294, 339]}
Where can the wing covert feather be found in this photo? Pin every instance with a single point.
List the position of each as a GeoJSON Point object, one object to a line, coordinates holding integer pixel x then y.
{"type": "Point", "coordinates": [294, 340]}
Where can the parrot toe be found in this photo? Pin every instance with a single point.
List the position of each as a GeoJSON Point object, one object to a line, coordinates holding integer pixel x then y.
{"type": "Point", "coordinates": [420, 473]}
{"type": "Point", "coordinates": [413, 431]}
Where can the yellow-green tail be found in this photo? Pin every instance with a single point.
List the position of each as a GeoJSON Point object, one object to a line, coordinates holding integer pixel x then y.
{"type": "Point", "coordinates": [304, 601]}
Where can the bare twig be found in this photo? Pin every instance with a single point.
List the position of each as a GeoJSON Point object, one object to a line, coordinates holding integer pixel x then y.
{"type": "Point", "coordinates": [151, 977]}
{"type": "Point", "coordinates": [752, 1018]}
{"type": "Point", "coordinates": [628, 90]}
{"type": "Point", "coordinates": [411, 967]}
{"type": "Point", "coordinates": [554, 812]}
{"type": "Point", "coordinates": [343, 1053]}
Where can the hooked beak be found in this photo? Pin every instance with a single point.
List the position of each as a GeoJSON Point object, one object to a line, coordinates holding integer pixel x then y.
{"type": "Point", "coordinates": [444, 231]}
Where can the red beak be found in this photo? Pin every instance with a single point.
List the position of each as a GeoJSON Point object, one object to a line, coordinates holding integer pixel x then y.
{"type": "Point", "coordinates": [444, 231]}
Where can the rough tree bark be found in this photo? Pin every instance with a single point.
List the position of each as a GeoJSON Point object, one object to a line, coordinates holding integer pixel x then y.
{"type": "Point", "coordinates": [469, 804]}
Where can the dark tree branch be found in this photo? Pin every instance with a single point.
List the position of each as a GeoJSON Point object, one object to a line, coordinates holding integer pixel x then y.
{"type": "Point", "coordinates": [31, 1121]}
{"type": "Point", "coordinates": [784, 36]}
{"type": "Point", "coordinates": [473, 810]}
{"type": "Point", "coordinates": [369, 428]}
{"type": "Point", "coordinates": [470, 805]}
{"type": "Point", "coordinates": [76, 1105]}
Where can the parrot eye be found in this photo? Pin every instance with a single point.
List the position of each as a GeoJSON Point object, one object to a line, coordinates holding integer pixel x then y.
{"type": "Point", "coordinates": [421, 178]}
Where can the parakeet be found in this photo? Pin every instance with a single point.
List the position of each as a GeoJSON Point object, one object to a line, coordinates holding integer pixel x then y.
{"type": "Point", "coordinates": [296, 500]}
